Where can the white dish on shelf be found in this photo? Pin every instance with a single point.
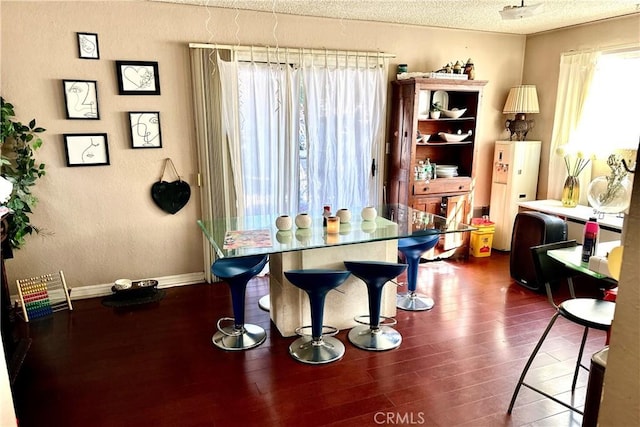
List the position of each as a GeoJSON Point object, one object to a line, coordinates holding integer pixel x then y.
{"type": "Point", "coordinates": [453, 137]}
{"type": "Point", "coordinates": [446, 174]}
{"type": "Point", "coordinates": [446, 167]}
{"type": "Point", "coordinates": [442, 97]}
{"type": "Point", "coordinates": [423, 138]}
{"type": "Point", "coordinates": [454, 113]}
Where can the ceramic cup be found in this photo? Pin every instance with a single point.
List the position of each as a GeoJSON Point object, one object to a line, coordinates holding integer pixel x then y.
{"type": "Point", "coordinates": [344, 215]}
{"type": "Point", "coordinates": [303, 220]}
{"type": "Point", "coordinates": [369, 213]}
{"type": "Point", "coordinates": [284, 222]}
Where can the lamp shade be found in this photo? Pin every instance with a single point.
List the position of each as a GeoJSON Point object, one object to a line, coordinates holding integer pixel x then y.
{"type": "Point", "coordinates": [522, 99]}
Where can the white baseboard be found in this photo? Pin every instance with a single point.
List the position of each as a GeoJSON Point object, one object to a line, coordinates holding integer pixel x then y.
{"type": "Point", "coordinates": [93, 291]}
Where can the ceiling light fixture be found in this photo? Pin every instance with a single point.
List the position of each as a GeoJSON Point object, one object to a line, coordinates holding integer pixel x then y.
{"type": "Point", "coordinates": [522, 11]}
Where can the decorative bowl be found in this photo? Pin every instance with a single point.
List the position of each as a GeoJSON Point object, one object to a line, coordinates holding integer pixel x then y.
{"type": "Point", "coordinates": [303, 220]}
{"type": "Point", "coordinates": [344, 214]}
{"type": "Point", "coordinates": [369, 213]}
{"type": "Point", "coordinates": [284, 222]}
{"type": "Point", "coordinates": [454, 113]}
{"type": "Point", "coordinates": [424, 138]}
{"type": "Point", "coordinates": [453, 137]}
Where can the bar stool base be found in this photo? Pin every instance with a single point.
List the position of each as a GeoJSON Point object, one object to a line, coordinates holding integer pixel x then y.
{"type": "Point", "coordinates": [381, 339]}
{"type": "Point", "coordinates": [265, 303]}
{"type": "Point", "coordinates": [326, 350]}
{"type": "Point", "coordinates": [233, 340]}
{"type": "Point", "coordinates": [414, 302]}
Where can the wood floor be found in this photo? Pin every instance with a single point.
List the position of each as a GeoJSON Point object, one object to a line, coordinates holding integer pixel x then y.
{"type": "Point", "coordinates": [156, 366]}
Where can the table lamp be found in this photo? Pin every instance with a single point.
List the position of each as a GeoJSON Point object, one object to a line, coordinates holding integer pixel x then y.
{"type": "Point", "coordinates": [521, 100]}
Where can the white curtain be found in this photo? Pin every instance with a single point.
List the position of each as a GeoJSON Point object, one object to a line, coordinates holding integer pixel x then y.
{"type": "Point", "coordinates": [574, 81]}
{"type": "Point", "coordinates": [282, 131]}
{"type": "Point", "coordinates": [268, 107]}
{"type": "Point", "coordinates": [345, 111]}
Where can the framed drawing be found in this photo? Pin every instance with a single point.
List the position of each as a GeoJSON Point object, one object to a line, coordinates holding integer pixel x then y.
{"type": "Point", "coordinates": [138, 78]}
{"type": "Point", "coordinates": [81, 99]}
{"type": "Point", "coordinates": [145, 129]}
{"type": "Point", "coordinates": [86, 149]}
{"type": "Point", "coordinates": [88, 46]}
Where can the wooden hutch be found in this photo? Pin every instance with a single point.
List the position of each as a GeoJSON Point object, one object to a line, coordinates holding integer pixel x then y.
{"type": "Point", "coordinates": [447, 196]}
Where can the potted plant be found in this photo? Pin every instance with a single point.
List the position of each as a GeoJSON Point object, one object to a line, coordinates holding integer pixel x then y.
{"type": "Point", "coordinates": [18, 143]}
{"type": "Point", "coordinates": [435, 110]}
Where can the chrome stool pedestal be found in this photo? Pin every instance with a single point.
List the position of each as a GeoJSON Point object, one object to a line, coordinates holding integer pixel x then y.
{"type": "Point", "coordinates": [313, 351]}
{"type": "Point", "coordinates": [321, 347]}
{"type": "Point", "coordinates": [237, 272]}
{"type": "Point", "coordinates": [374, 335]}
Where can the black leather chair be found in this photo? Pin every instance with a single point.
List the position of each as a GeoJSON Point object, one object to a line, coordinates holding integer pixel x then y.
{"type": "Point", "coordinates": [586, 312]}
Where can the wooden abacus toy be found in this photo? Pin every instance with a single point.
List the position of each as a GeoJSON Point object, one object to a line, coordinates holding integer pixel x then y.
{"type": "Point", "coordinates": [40, 296]}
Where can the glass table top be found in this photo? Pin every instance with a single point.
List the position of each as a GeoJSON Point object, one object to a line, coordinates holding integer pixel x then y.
{"type": "Point", "coordinates": [572, 258]}
{"type": "Point", "coordinates": [253, 235]}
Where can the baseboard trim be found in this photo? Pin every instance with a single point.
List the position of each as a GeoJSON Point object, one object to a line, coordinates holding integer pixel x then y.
{"type": "Point", "coordinates": [100, 290]}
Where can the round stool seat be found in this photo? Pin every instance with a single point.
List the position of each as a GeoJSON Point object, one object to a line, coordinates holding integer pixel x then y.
{"type": "Point", "coordinates": [413, 248]}
{"type": "Point", "coordinates": [317, 348]}
{"type": "Point", "coordinates": [238, 335]}
{"type": "Point", "coordinates": [239, 268]}
{"type": "Point", "coordinates": [373, 335]}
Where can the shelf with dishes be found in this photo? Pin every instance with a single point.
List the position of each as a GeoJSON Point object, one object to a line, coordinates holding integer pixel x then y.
{"type": "Point", "coordinates": [444, 138]}
{"type": "Point", "coordinates": [444, 119]}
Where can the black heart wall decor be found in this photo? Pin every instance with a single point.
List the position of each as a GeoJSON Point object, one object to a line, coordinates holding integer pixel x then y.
{"type": "Point", "coordinates": [170, 196]}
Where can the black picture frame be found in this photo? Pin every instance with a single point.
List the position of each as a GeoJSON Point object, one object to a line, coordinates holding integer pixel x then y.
{"type": "Point", "coordinates": [81, 99]}
{"type": "Point", "coordinates": [86, 149]}
{"type": "Point", "coordinates": [145, 129]}
{"type": "Point", "coordinates": [138, 78]}
{"type": "Point", "coordinates": [88, 46]}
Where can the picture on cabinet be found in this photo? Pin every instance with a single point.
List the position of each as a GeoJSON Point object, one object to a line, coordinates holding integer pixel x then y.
{"type": "Point", "coordinates": [138, 78]}
{"type": "Point", "coordinates": [88, 46]}
{"type": "Point", "coordinates": [81, 99]}
{"type": "Point", "coordinates": [87, 149]}
{"type": "Point", "coordinates": [145, 129]}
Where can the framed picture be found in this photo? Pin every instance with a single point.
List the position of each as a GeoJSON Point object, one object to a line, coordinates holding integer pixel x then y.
{"type": "Point", "coordinates": [145, 129]}
{"type": "Point", "coordinates": [86, 149]}
{"type": "Point", "coordinates": [138, 78]}
{"type": "Point", "coordinates": [88, 46]}
{"type": "Point", "coordinates": [81, 99]}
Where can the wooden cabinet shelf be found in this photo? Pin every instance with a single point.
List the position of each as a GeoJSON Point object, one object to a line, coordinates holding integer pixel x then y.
{"type": "Point", "coordinates": [450, 197]}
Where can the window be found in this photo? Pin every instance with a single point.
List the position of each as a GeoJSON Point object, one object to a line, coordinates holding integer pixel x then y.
{"type": "Point", "coordinates": [309, 130]}
{"type": "Point", "coordinates": [609, 118]}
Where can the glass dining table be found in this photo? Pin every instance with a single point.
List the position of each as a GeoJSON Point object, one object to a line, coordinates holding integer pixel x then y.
{"type": "Point", "coordinates": [572, 258]}
{"type": "Point", "coordinates": [314, 247]}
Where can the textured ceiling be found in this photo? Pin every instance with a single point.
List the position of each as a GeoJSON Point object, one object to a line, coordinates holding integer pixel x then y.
{"type": "Point", "coordinates": [481, 15]}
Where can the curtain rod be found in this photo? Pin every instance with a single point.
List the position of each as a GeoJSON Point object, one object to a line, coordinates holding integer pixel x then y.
{"type": "Point", "coordinates": [302, 50]}
{"type": "Point", "coordinates": [606, 50]}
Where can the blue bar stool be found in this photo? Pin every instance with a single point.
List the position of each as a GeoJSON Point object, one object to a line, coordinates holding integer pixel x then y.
{"type": "Point", "coordinates": [372, 335]}
{"type": "Point", "coordinates": [413, 248]}
{"type": "Point", "coordinates": [237, 272]}
{"type": "Point", "coordinates": [321, 346]}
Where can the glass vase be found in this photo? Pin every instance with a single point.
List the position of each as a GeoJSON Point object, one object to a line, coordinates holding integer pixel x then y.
{"type": "Point", "coordinates": [571, 192]}
{"type": "Point", "coordinates": [607, 195]}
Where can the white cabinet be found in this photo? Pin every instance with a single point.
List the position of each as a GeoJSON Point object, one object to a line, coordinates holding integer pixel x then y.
{"type": "Point", "coordinates": [515, 180]}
